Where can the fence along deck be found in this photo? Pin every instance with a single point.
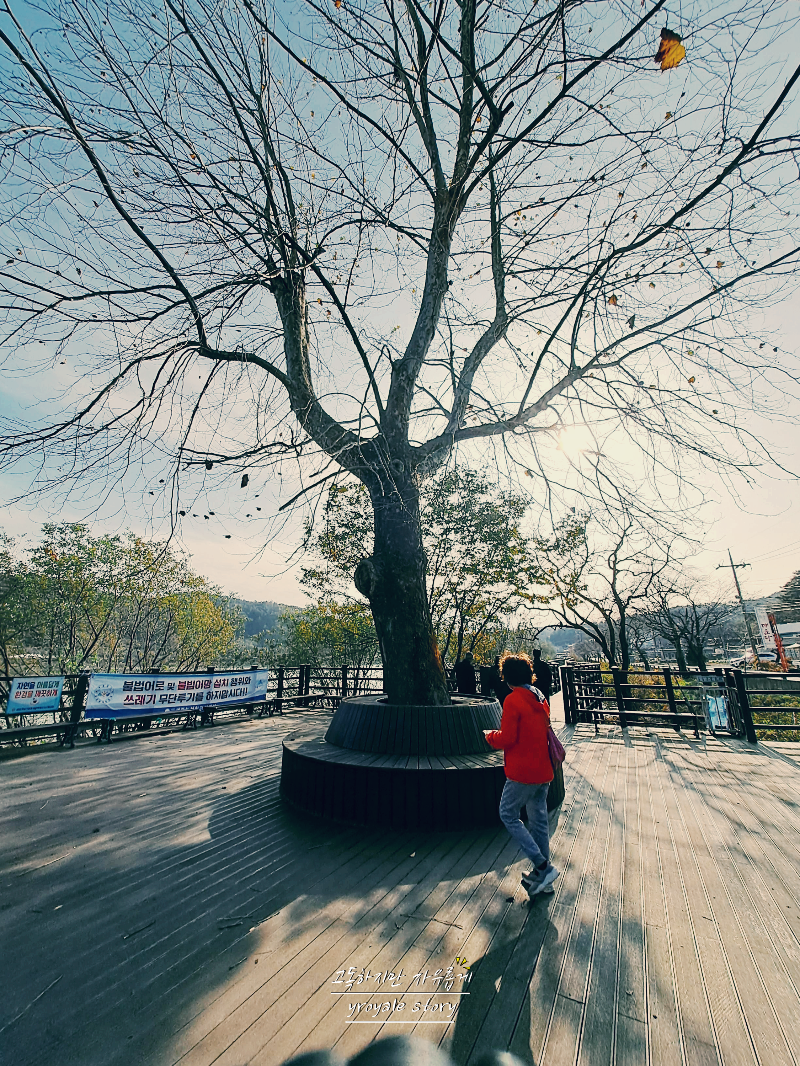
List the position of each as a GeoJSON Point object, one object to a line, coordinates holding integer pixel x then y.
{"type": "Point", "coordinates": [750, 703]}
{"type": "Point", "coordinates": [289, 686]}
{"type": "Point", "coordinates": [753, 702]}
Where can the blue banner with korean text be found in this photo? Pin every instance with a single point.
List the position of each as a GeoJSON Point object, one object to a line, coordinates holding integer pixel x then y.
{"type": "Point", "coordinates": [131, 695]}
{"type": "Point", "coordinates": [34, 694]}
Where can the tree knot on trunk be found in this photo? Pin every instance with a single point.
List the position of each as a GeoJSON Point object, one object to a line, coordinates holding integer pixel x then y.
{"type": "Point", "coordinates": [365, 577]}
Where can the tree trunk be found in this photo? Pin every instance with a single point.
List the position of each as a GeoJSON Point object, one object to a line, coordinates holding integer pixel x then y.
{"type": "Point", "coordinates": [695, 656]}
{"type": "Point", "coordinates": [624, 644]}
{"type": "Point", "coordinates": [642, 654]}
{"type": "Point", "coordinates": [679, 656]}
{"type": "Point", "coordinates": [393, 580]}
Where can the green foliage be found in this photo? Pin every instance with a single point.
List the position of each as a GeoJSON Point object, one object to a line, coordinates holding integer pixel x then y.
{"type": "Point", "coordinates": [329, 634]}
{"type": "Point", "coordinates": [110, 603]}
{"type": "Point", "coordinates": [787, 608]}
{"type": "Point", "coordinates": [259, 616]}
{"type": "Point", "coordinates": [479, 570]}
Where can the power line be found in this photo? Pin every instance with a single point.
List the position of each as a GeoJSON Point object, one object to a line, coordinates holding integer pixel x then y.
{"type": "Point", "coordinates": [772, 552]}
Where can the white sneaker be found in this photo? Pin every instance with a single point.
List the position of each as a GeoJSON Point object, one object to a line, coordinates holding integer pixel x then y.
{"type": "Point", "coordinates": [538, 883]}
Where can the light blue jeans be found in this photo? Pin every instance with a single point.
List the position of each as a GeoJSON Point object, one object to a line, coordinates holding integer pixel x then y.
{"type": "Point", "coordinates": [535, 840]}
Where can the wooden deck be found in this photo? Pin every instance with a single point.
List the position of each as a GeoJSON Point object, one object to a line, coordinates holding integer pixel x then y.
{"type": "Point", "coordinates": [160, 906]}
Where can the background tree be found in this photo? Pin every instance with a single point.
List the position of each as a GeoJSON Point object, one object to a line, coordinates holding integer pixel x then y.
{"type": "Point", "coordinates": [411, 227]}
{"type": "Point", "coordinates": [640, 634]}
{"type": "Point", "coordinates": [17, 611]}
{"type": "Point", "coordinates": [110, 603]}
{"type": "Point", "coordinates": [329, 634]}
{"type": "Point", "coordinates": [787, 602]}
{"type": "Point", "coordinates": [683, 613]}
{"type": "Point", "coordinates": [599, 576]}
{"type": "Point", "coordinates": [479, 572]}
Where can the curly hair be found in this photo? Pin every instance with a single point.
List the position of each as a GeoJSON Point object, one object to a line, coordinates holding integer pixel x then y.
{"type": "Point", "coordinates": [517, 669]}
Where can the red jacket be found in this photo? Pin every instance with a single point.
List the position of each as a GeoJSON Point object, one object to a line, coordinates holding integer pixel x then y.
{"type": "Point", "coordinates": [523, 737]}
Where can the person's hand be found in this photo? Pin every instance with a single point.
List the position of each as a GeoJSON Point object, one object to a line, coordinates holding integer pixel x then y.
{"type": "Point", "coordinates": [486, 732]}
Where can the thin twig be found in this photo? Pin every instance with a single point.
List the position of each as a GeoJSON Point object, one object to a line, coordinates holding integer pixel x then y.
{"type": "Point", "coordinates": [141, 929]}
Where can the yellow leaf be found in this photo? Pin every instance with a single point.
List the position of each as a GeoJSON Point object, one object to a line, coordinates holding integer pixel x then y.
{"type": "Point", "coordinates": [318, 300]}
{"type": "Point", "coordinates": [720, 264]}
{"type": "Point", "coordinates": [670, 51]}
{"type": "Point", "coordinates": [652, 284]}
{"type": "Point", "coordinates": [691, 380]}
{"type": "Point", "coordinates": [668, 115]}
{"type": "Point", "coordinates": [478, 119]}
{"type": "Point", "coordinates": [338, 3]}
{"type": "Point", "coordinates": [612, 301]}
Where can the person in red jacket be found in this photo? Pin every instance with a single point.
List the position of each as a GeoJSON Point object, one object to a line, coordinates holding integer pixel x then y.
{"type": "Point", "coordinates": [522, 737]}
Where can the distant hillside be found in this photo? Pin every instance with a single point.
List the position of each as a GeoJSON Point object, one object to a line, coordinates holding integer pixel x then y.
{"type": "Point", "coordinates": [561, 638]}
{"type": "Point", "coordinates": [262, 615]}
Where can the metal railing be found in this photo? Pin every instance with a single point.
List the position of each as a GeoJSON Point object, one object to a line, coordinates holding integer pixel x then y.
{"type": "Point", "coordinates": [773, 701]}
{"type": "Point", "coordinates": [288, 688]}
{"type": "Point", "coordinates": [710, 701]}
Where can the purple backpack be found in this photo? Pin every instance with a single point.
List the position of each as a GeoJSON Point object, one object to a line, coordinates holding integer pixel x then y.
{"type": "Point", "coordinates": [555, 749]}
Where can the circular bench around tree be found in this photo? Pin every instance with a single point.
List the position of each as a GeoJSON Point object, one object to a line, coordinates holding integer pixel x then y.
{"type": "Point", "coordinates": [401, 767]}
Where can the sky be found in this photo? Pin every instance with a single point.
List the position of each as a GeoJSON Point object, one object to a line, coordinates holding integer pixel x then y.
{"type": "Point", "coordinates": [759, 524]}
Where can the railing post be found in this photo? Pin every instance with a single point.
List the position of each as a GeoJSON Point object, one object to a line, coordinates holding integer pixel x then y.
{"type": "Point", "coordinates": [76, 710]}
{"type": "Point", "coordinates": [673, 707]}
{"type": "Point", "coordinates": [618, 684]}
{"type": "Point", "coordinates": [306, 679]}
{"type": "Point", "coordinates": [744, 707]}
{"type": "Point", "coordinates": [344, 683]}
{"type": "Point", "coordinates": [566, 694]}
{"type": "Point", "coordinates": [732, 698]}
{"type": "Point", "coordinates": [279, 690]}
{"type": "Point", "coordinates": [573, 696]}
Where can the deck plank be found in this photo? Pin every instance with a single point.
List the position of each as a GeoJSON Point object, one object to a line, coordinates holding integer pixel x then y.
{"type": "Point", "coordinates": [702, 887]}
{"type": "Point", "coordinates": [764, 988]}
{"type": "Point", "coordinates": [598, 1031]}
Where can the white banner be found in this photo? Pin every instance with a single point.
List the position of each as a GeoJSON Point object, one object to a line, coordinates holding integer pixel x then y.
{"type": "Point", "coordinates": [30, 694]}
{"type": "Point", "coordinates": [765, 629]}
{"type": "Point", "coordinates": [129, 695]}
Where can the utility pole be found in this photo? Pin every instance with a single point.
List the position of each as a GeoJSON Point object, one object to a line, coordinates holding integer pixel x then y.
{"type": "Point", "coordinates": [741, 601]}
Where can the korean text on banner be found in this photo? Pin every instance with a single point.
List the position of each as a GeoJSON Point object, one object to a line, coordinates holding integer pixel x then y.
{"type": "Point", "coordinates": [765, 628]}
{"type": "Point", "coordinates": [30, 694]}
{"type": "Point", "coordinates": [131, 695]}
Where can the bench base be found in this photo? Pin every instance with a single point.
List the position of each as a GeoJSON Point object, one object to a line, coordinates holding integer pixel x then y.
{"type": "Point", "coordinates": [395, 791]}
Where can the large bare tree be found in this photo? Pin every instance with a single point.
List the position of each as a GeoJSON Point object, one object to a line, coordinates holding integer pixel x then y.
{"type": "Point", "coordinates": [366, 233]}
